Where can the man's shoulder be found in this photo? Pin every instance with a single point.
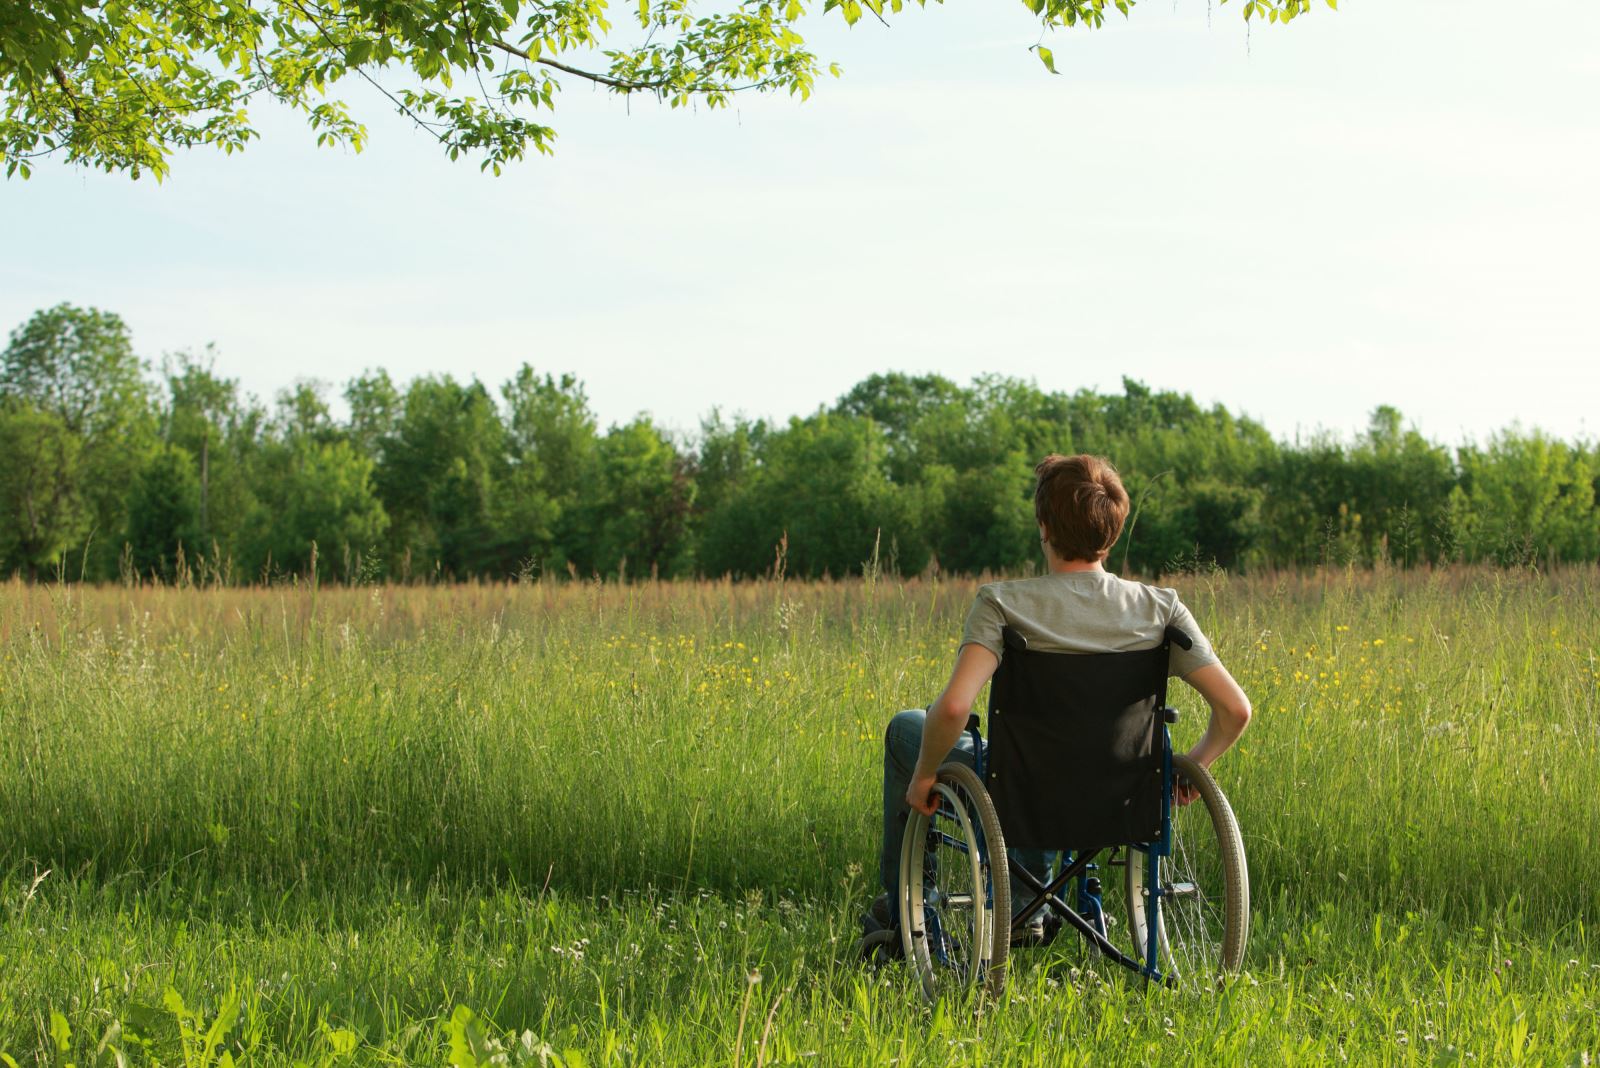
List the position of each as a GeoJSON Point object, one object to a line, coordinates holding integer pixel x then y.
{"type": "Point", "coordinates": [1108, 580]}
{"type": "Point", "coordinates": [1112, 587]}
{"type": "Point", "coordinates": [1017, 588]}
{"type": "Point", "coordinates": [1165, 595]}
{"type": "Point", "coordinates": [1092, 591]}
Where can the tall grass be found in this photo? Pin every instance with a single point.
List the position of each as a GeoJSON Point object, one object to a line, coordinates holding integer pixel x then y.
{"type": "Point", "coordinates": [591, 813]}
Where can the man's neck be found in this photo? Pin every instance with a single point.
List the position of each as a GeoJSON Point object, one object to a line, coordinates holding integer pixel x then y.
{"type": "Point", "coordinates": [1061, 567]}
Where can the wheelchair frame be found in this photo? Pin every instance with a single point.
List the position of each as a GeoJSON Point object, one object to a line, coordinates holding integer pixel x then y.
{"type": "Point", "coordinates": [1078, 865]}
{"type": "Point", "coordinates": [1086, 914]}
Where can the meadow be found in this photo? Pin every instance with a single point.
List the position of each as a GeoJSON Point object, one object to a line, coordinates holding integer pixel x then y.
{"type": "Point", "coordinates": [592, 824]}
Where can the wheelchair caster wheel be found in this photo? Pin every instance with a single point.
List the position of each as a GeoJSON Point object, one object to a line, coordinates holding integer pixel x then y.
{"type": "Point", "coordinates": [879, 947]}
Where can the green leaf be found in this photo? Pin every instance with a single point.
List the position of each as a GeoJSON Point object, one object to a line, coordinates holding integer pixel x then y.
{"type": "Point", "coordinates": [60, 1033]}
{"type": "Point", "coordinates": [465, 1033]}
{"type": "Point", "coordinates": [1047, 58]}
{"type": "Point", "coordinates": [343, 1042]}
{"type": "Point", "coordinates": [227, 1016]}
{"type": "Point", "coordinates": [141, 1019]}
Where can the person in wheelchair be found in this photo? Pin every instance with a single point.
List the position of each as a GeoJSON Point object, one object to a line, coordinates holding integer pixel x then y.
{"type": "Point", "coordinates": [1076, 607]}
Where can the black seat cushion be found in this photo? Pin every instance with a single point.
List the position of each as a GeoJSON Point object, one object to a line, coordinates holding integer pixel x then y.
{"type": "Point", "coordinates": [1074, 761]}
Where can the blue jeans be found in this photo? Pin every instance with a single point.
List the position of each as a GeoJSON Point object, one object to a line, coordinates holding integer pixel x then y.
{"type": "Point", "coordinates": [901, 742]}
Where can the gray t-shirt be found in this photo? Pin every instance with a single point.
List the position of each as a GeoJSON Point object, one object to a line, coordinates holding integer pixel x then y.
{"type": "Point", "coordinates": [1085, 612]}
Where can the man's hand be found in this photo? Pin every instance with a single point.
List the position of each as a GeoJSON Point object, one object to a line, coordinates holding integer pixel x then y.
{"type": "Point", "coordinates": [1183, 792]}
{"type": "Point", "coordinates": [920, 795]}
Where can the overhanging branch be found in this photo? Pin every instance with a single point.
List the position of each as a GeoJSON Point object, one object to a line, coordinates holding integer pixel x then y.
{"type": "Point", "coordinates": [602, 79]}
{"type": "Point", "coordinates": [637, 87]}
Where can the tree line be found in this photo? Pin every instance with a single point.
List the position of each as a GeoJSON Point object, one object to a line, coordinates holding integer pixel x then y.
{"type": "Point", "coordinates": [110, 471]}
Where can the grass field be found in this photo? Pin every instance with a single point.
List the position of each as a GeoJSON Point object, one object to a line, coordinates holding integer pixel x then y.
{"type": "Point", "coordinates": [585, 825]}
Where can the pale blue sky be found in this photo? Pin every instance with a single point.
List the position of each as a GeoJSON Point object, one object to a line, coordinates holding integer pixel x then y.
{"type": "Point", "coordinates": [1394, 203]}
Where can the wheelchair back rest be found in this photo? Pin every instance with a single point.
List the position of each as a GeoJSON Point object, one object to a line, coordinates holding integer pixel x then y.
{"type": "Point", "coordinates": [1075, 745]}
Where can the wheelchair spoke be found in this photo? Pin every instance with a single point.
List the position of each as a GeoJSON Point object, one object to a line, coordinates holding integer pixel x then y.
{"type": "Point", "coordinates": [948, 897]}
{"type": "Point", "coordinates": [1204, 912]}
{"type": "Point", "coordinates": [1194, 865]}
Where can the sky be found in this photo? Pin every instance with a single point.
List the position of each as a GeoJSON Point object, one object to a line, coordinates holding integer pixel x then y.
{"type": "Point", "coordinates": [1394, 203]}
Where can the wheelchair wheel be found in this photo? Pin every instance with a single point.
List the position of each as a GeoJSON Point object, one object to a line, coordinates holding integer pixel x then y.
{"type": "Point", "coordinates": [878, 948]}
{"type": "Point", "coordinates": [955, 890]}
{"type": "Point", "coordinates": [1205, 904]}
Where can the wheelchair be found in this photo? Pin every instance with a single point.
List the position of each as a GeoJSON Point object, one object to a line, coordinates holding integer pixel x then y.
{"type": "Point", "coordinates": [1079, 764]}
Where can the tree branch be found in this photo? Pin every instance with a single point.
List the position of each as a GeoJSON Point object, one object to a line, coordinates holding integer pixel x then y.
{"type": "Point", "coordinates": [369, 79]}
{"type": "Point", "coordinates": [632, 87]}
{"type": "Point", "coordinates": [603, 79]}
{"type": "Point", "coordinates": [66, 87]}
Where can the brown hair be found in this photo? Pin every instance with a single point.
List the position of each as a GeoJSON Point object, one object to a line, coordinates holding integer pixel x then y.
{"type": "Point", "coordinates": [1081, 502]}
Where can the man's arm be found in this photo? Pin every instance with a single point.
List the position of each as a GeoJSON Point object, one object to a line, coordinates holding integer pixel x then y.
{"type": "Point", "coordinates": [947, 717]}
{"type": "Point", "coordinates": [1230, 715]}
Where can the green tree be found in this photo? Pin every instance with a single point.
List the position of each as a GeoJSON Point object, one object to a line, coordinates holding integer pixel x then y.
{"type": "Point", "coordinates": [318, 492]}
{"type": "Point", "coordinates": [303, 413]}
{"type": "Point", "coordinates": [552, 453]}
{"type": "Point", "coordinates": [1400, 484]}
{"type": "Point", "coordinates": [1190, 472]}
{"type": "Point", "coordinates": [222, 432]}
{"type": "Point", "coordinates": [164, 511]}
{"type": "Point", "coordinates": [897, 403]}
{"type": "Point", "coordinates": [42, 513]}
{"type": "Point", "coordinates": [78, 365]}
{"type": "Point", "coordinates": [1527, 498]}
{"type": "Point", "coordinates": [822, 482]}
{"type": "Point", "coordinates": [725, 454]}
{"type": "Point", "coordinates": [438, 480]}
{"type": "Point", "coordinates": [1304, 487]}
{"type": "Point", "coordinates": [374, 411]}
{"type": "Point", "coordinates": [966, 458]}
{"type": "Point", "coordinates": [1209, 523]}
{"type": "Point", "coordinates": [637, 511]}
{"type": "Point", "coordinates": [122, 83]}
{"type": "Point", "coordinates": [312, 486]}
